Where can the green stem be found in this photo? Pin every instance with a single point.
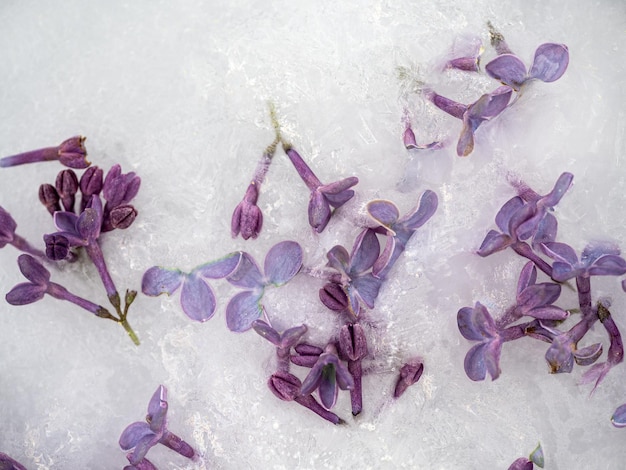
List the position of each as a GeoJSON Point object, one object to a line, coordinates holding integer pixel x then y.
{"type": "Point", "coordinates": [130, 331]}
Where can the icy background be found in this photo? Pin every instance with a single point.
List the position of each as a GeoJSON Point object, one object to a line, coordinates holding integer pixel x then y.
{"type": "Point", "coordinates": [178, 91]}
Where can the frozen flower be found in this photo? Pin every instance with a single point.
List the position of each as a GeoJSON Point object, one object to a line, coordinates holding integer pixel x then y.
{"type": "Point", "coordinates": [282, 263]}
{"type": "Point", "coordinates": [357, 280]}
{"type": "Point", "coordinates": [597, 259]}
{"type": "Point", "coordinates": [410, 373]}
{"type": "Point", "coordinates": [484, 109]}
{"type": "Point", "coordinates": [247, 218]}
{"type": "Point", "coordinates": [197, 298]}
{"type": "Point", "coordinates": [323, 196]}
{"type": "Point", "coordinates": [140, 437]}
{"type": "Point", "coordinates": [327, 376]}
{"type": "Point", "coordinates": [398, 229]}
{"type": "Point", "coordinates": [70, 153]}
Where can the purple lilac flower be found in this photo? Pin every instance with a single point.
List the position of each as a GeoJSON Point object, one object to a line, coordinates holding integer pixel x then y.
{"type": "Point", "coordinates": [283, 341]}
{"type": "Point", "coordinates": [327, 376]}
{"type": "Point", "coordinates": [323, 196]}
{"type": "Point", "coordinates": [357, 281]}
{"type": "Point", "coordinates": [7, 463]}
{"type": "Point", "coordinates": [282, 263]}
{"type": "Point", "coordinates": [70, 153]}
{"type": "Point", "coordinates": [410, 373]}
{"type": "Point", "coordinates": [118, 190]}
{"type": "Point", "coordinates": [597, 259]}
{"type": "Point", "coordinates": [140, 437]}
{"type": "Point", "coordinates": [197, 298]}
{"type": "Point", "coordinates": [9, 237]}
{"type": "Point", "coordinates": [66, 185]}
{"type": "Point", "coordinates": [353, 348]}
{"type": "Point", "coordinates": [487, 107]}
{"type": "Point", "coordinates": [550, 62]}
{"type": "Point", "coordinates": [398, 229]}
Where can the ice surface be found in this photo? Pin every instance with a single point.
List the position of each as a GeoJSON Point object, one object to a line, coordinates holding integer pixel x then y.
{"type": "Point", "coordinates": [178, 91]}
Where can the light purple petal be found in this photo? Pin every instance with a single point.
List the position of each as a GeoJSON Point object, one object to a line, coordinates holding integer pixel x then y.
{"type": "Point", "coordinates": [133, 434]}
{"type": "Point", "coordinates": [266, 331]}
{"type": "Point", "coordinates": [197, 298]}
{"type": "Point", "coordinates": [65, 221]}
{"type": "Point", "coordinates": [391, 252]}
{"type": "Point", "coordinates": [425, 209]}
{"type": "Point", "coordinates": [339, 199]}
{"type": "Point", "coordinates": [559, 355]}
{"type": "Point", "coordinates": [546, 231]}
{"type": "Point", "coordinates": [283, 262]}
{"type": "Point", "coordinates": [588, 355]}
{"type": "Point", "coordinates": [367, 287]}
{"type": "Point", "coordinates": [383, 212]}
{"type": "Point", "coordinates": [246, 274]}
{"type": "Point", "coordinates": [476, 323]}
{"type": "Point", "coordinates": [339, 259]}
{"type": "Point", "coordinates": [445, 104]}
{"type": "Point", "coordinates": [242, 310]}
{"type": "Point", "coordinates": [409, 139]}
{"type": "Point", "coordinates": [550, 63]}
{"type": "Point", "coordinates": [619, 417]}
{"type": "Point", "coordinates": [563, 183]}
{"type": "Point", "coordinates": [158, 280]}
{"type": "Point", "coordinates": [291, 336]}
{"type": "Point", "coordinates": [490, 105]}
{"type": "Point", "coordinates": [608, 265]}
{"type": "Point", "coordinates": [562, 272]}
{"type": "Point", "coordinates": [527, 277]}
{"type": "Point", "coordinates": [319, 211]}
{"type": "Point", "coordinates": [25, 293]}
{"type": "Point", "coordinates": [313, 379]}
{"type": "Point", "coordinates": [538, 295]}
{"type": "Point", "coordinates": [33, 270]}
{"type": "Point", "coordinates": [593, 251]}
{"type": "Point", "coordinates": [504, 215]}
{"type": "Point", "coordinates": [338, 186]}
{"type": "Point", "coordinates": [493, 243]}
{"type": "Point", "coordinates": [141, 449]}
{"type": "Point", "coordinates": [548, 312]}
{"type": "Point", "coordinates": [492, 358]}
{"type": "Point", "coordinates": [474, 363]}
{"type": "Point", "coordinates": [465, 145]}
{"type": "Point", "coordinates": [220, 268]}
{"type": "Point", "coordinates": [365, 252]}
{"type": "Point", "coordinates": [560, 252]}
{"type": "Point", "coordinates": [328, 387]}
{"type": "Point", "coordinates": [157, 410]}
{"type": "Point", "coordinates": [509, 69]}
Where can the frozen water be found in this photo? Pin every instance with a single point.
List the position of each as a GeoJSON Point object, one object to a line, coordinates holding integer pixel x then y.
{"type": "Point", "coordinates": [178, 91]}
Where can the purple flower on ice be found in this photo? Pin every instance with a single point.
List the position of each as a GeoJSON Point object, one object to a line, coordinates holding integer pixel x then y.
{"type": "Point", "coordinates": [476, 324]}
{"type": "Point", "coordinates": [526, 216]}
{"type": "Point", "coordinates": [7, 463]}
{"type": "Point", "coordinates": [398, 229]}
{"type": "Point", "coordinates": [323, 196]}
{"type": "Point", "coordinates": [487, 107]}
{"type": "Point", "coordinates": [118, 190]}
{"type": "Point", "coordinates": [283, 341]}
{"type": "Point", "coordinates": [549, 64]}
{"type": "Point", "coordinates": [535, 300]}
{"type": "Point", "coordinates": [282, 263]}
{"type": "Point", "coordinates": [357, 280]}
{"type": "Point", "coordinates": [70, 153]}
{"type": "Point", "coordinates": [328, 375]}
{"type": "Point", "coordinates": [247, 218]}
{"type": "Point", "coordinates": [597, 259]}
{"type": "Point", "coordinates": [197, 298]}
{"type": "Point", "coordinates": [410, 373]}
{"type": "Point", "coordinates": [140, 437]}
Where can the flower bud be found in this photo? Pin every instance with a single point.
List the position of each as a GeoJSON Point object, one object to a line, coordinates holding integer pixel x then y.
{"type": "Point", "coordinates": [122, 216]}
{"type": "Point", "coordinates": [284, 385]}
{"type": "Point", "coordinates": [49, 197]}
{"type": "Point", "coordinates": [333, 297]}
{"type": "Point", "coordinates": [57, 247]}
{"type": "Point", "coordinates": [352, 342]}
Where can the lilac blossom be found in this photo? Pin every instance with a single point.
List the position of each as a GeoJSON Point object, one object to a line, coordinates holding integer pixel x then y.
{"type": "Point", "coordinates": [70, 153]}
{"type": "Point", "coordinates": [487, 107]}
{"type": "Point", "coordinates": [398, 229]}
{"type": "Point", "coordinates": [118, 189]}
{"type": "Point", "coordinates": [9, 237]}
{"type": "Point", "coordinates": [282, 263]}
{"type": "Point", "coordinates": [410, 373]}
{"type": "Point", "coordinates": [357, 281]}
{"type": "Point", "coordinates": [323, 196]}
{"type": "Point", "coordinates": [7, 463]}
{"type": "Point", "coordinates": [140, 437]}
{"type": "Point", "coordinates": [550, 62]}
{"type": "Point", "coordinates": [327, 376]}
{"type": "Point", "coordinates": [597, 259]}
{"type": "Point", "coordinates": [197, 298]}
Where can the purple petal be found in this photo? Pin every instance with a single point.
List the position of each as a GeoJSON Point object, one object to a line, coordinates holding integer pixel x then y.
{"type": "Point", "coordinates": [283, 262]}
{"type": "Point", "coordinates": [291, 336]}
{"type": "Point", "coordinates": [563, 183]}
{"type": "Point", "coordinates": [7, 227]}
{"type": "Point", "coordinates": [608, 265]}
{"type": "Point", "coordinates": [365, 251]}
{"type": "Point", "coordinates": [385, 261]}
{"type": "Point", "coordinates": [559, 355]}
{"type": "Point", "coordinates": [158, 280]}
{"type": "Point", "coordinates": [242, 310]}
{"type": "Point", "coordinates": [88, 224]}
{"type": "Point", "coordinates": [546, 231]}
{"type": "Point", "coordinates": [527, 277]}
{"type": "Point", "coordinates": [551, 61]}
{"type": "Point", "coordinates": [33, 270]}
{"type": "Point", "coordinates": [521, 464]}
{"type": "Point", "coordinates": [65, 221]}
{"type": "Point", "coordinates": [367, 287]}
{"type": "Point", "coordinates": [595, 250]}
{"type": "Point", "coordinates": [619, 417]}
{"type": "Point", "coordinates": [25, 293]}
{"type": "Point", "coordinates": [313, 379]}
{"type": "Point", "coordinates": [445, 104]}
{"type": "Point", "coordinates": [504, 215]}
{"type": "Point", "coordinates": [339, 259]}
{"type": "Point", "coordinates": [338, 186]}
{"type": "Point", "coordinates": [246, 274]}
{"type": "Point", "coordinates": [409, 139]}
{"type": "Point", "coordinates": [588, 355]}
{"type": "Point", "coordinates": [474, 363]}
{"type": "Point", "coordinates": [319, 211]}
{"type": "Point", "coordinates": [492, 358]}
{"type": "Point", "coordinates": [197, 298]}
{"type": "Point", "coordinates": [133, 434]}
{"type": "Point", "coordinates": [509, 69]}
{"type": "Point", "coordinates": [493, 243]}
{"type": "Point", "coordinates": [220, 268]}
{"type": "Point", "coordinates": [549, 312]}
{"type": "Point", "coordinates": [426, 207]}
{"type": "Point", "coordinates": [465, 145]}
{"type": "Point", "coordinates": [328, 387]}
{"type": "Point", "coordinates": [339, 199]}
{"type": "Point", "coordinates": [343, 376]}
{"type": "Point", "coordinates": [538, 295]}
{"type": "Point", "coordinates": [383, 212]}
{"type": "Point", "coordinates": [157, 410]}
{"type": "Point", "coordinates": [476, 323]}
{"type": "Point", "coordinates": [560, 252]}
{"type": "Point", "coordinates": [491, 104]}
{"type": "Point", "coordinates": [266, 331]}
{"type": "Point", "coordinates": [141, 449]}
{"type": "Point", "coordinates": [7, 463]}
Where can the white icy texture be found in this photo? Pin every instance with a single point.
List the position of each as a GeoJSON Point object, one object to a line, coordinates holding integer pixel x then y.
{"type": "Point", "coordinates": [177, 91]}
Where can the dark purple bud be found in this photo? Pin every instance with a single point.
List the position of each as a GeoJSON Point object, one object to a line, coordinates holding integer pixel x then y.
{"type": "Point", "coordinates": [90, 184]}
{"type": "Point", "coordinates": [7, 227]}
{"type": "Point", "coordinates": [122, 216]}
{"type": "Point", "coordinates": [333, 297]}
{"type": "Point", "coordinates": [119, 188]}
{"type": "Point", "coordinates": [352, 342]}
{"type": "Point", "coordinates": [307, 355]}
{"type": "Point", "coordinates": [49, 198]}
{"type": "Point", "coordinates": [67, 185]}
{"type": "Point", "coordinates": [284, 385]}
{"type": "Point", "coordinates": [57, 247]}
{"type": "Point", "coordinates": [72, 153]}
{"type": "Point", "coordinates": [410, 373]}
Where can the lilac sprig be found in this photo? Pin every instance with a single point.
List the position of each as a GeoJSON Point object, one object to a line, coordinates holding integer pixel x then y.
{"type": "Point", "coordinates": [139, 437]}
{"type": "Point", "coordinates": [70, 152]}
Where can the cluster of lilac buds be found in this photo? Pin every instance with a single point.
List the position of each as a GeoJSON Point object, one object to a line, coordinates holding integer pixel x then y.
{"type": "Point", "coordinates": [549, 64]}
{"type": "Point", "coordinates": [79, 223]}
{"type": "Point", "coordinates": [139, 437]}
{"type": "Point", "coordinates": [528, 227]}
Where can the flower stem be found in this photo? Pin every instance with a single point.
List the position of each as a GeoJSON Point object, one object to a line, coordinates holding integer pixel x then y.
{"type": "Point", "coordinates": [21, 244]}
{"type": "Point", "coordinates": [40, 155]}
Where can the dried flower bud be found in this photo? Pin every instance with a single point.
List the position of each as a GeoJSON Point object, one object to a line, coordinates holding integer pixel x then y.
{"type": "Point", "coordinates": [49, 197]}
{"type": "Point", "coordinates": [410, 373]}
{"type": "Point", "coordinates": [57, 247]}
{"type": "Point", "coordinates": [67, 185]}
{"type": "Point", "coordinates": [72, 153]}
{"type": "Point", "coordinates": [333, 297]}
